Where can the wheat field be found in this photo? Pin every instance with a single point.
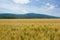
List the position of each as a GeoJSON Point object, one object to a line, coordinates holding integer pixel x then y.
{"type": "Point", "coordinates": [29, 29]}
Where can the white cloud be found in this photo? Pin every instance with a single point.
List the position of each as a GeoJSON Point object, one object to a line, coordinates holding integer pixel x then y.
{"type": "Point", "coordinates": [24, 11]}
{"type": "Point", "coordinates": [50, 6]}
{"type": "Point", "coordinates": [48, 9]}
{"type": "Point", "coordinates": [21, 1]}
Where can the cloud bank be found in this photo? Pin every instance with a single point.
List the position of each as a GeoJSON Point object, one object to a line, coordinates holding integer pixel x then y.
{"type": "Point", "coordinates": [24, 6]}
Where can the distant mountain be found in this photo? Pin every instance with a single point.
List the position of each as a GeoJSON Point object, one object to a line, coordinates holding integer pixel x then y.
{"type": "Point", "coordinates": [28, 15]}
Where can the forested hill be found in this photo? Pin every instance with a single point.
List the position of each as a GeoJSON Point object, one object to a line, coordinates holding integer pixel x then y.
{"type": "Point", "coordinates": [28, 15]}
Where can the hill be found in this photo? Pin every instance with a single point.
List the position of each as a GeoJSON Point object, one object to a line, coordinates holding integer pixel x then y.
{"type": "Point", "coordinates": [28, 15]}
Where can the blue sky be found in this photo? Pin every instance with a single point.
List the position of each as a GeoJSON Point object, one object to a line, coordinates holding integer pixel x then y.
{"type": "Point", "coordinates": [49, 7]}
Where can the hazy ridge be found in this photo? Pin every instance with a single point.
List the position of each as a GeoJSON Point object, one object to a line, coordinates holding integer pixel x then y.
{"type": "Point", "coordinates": [28, 15]}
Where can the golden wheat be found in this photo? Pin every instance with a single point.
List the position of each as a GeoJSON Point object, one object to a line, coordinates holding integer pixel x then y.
{"type": "Point", "coordinates": [29, 29]}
